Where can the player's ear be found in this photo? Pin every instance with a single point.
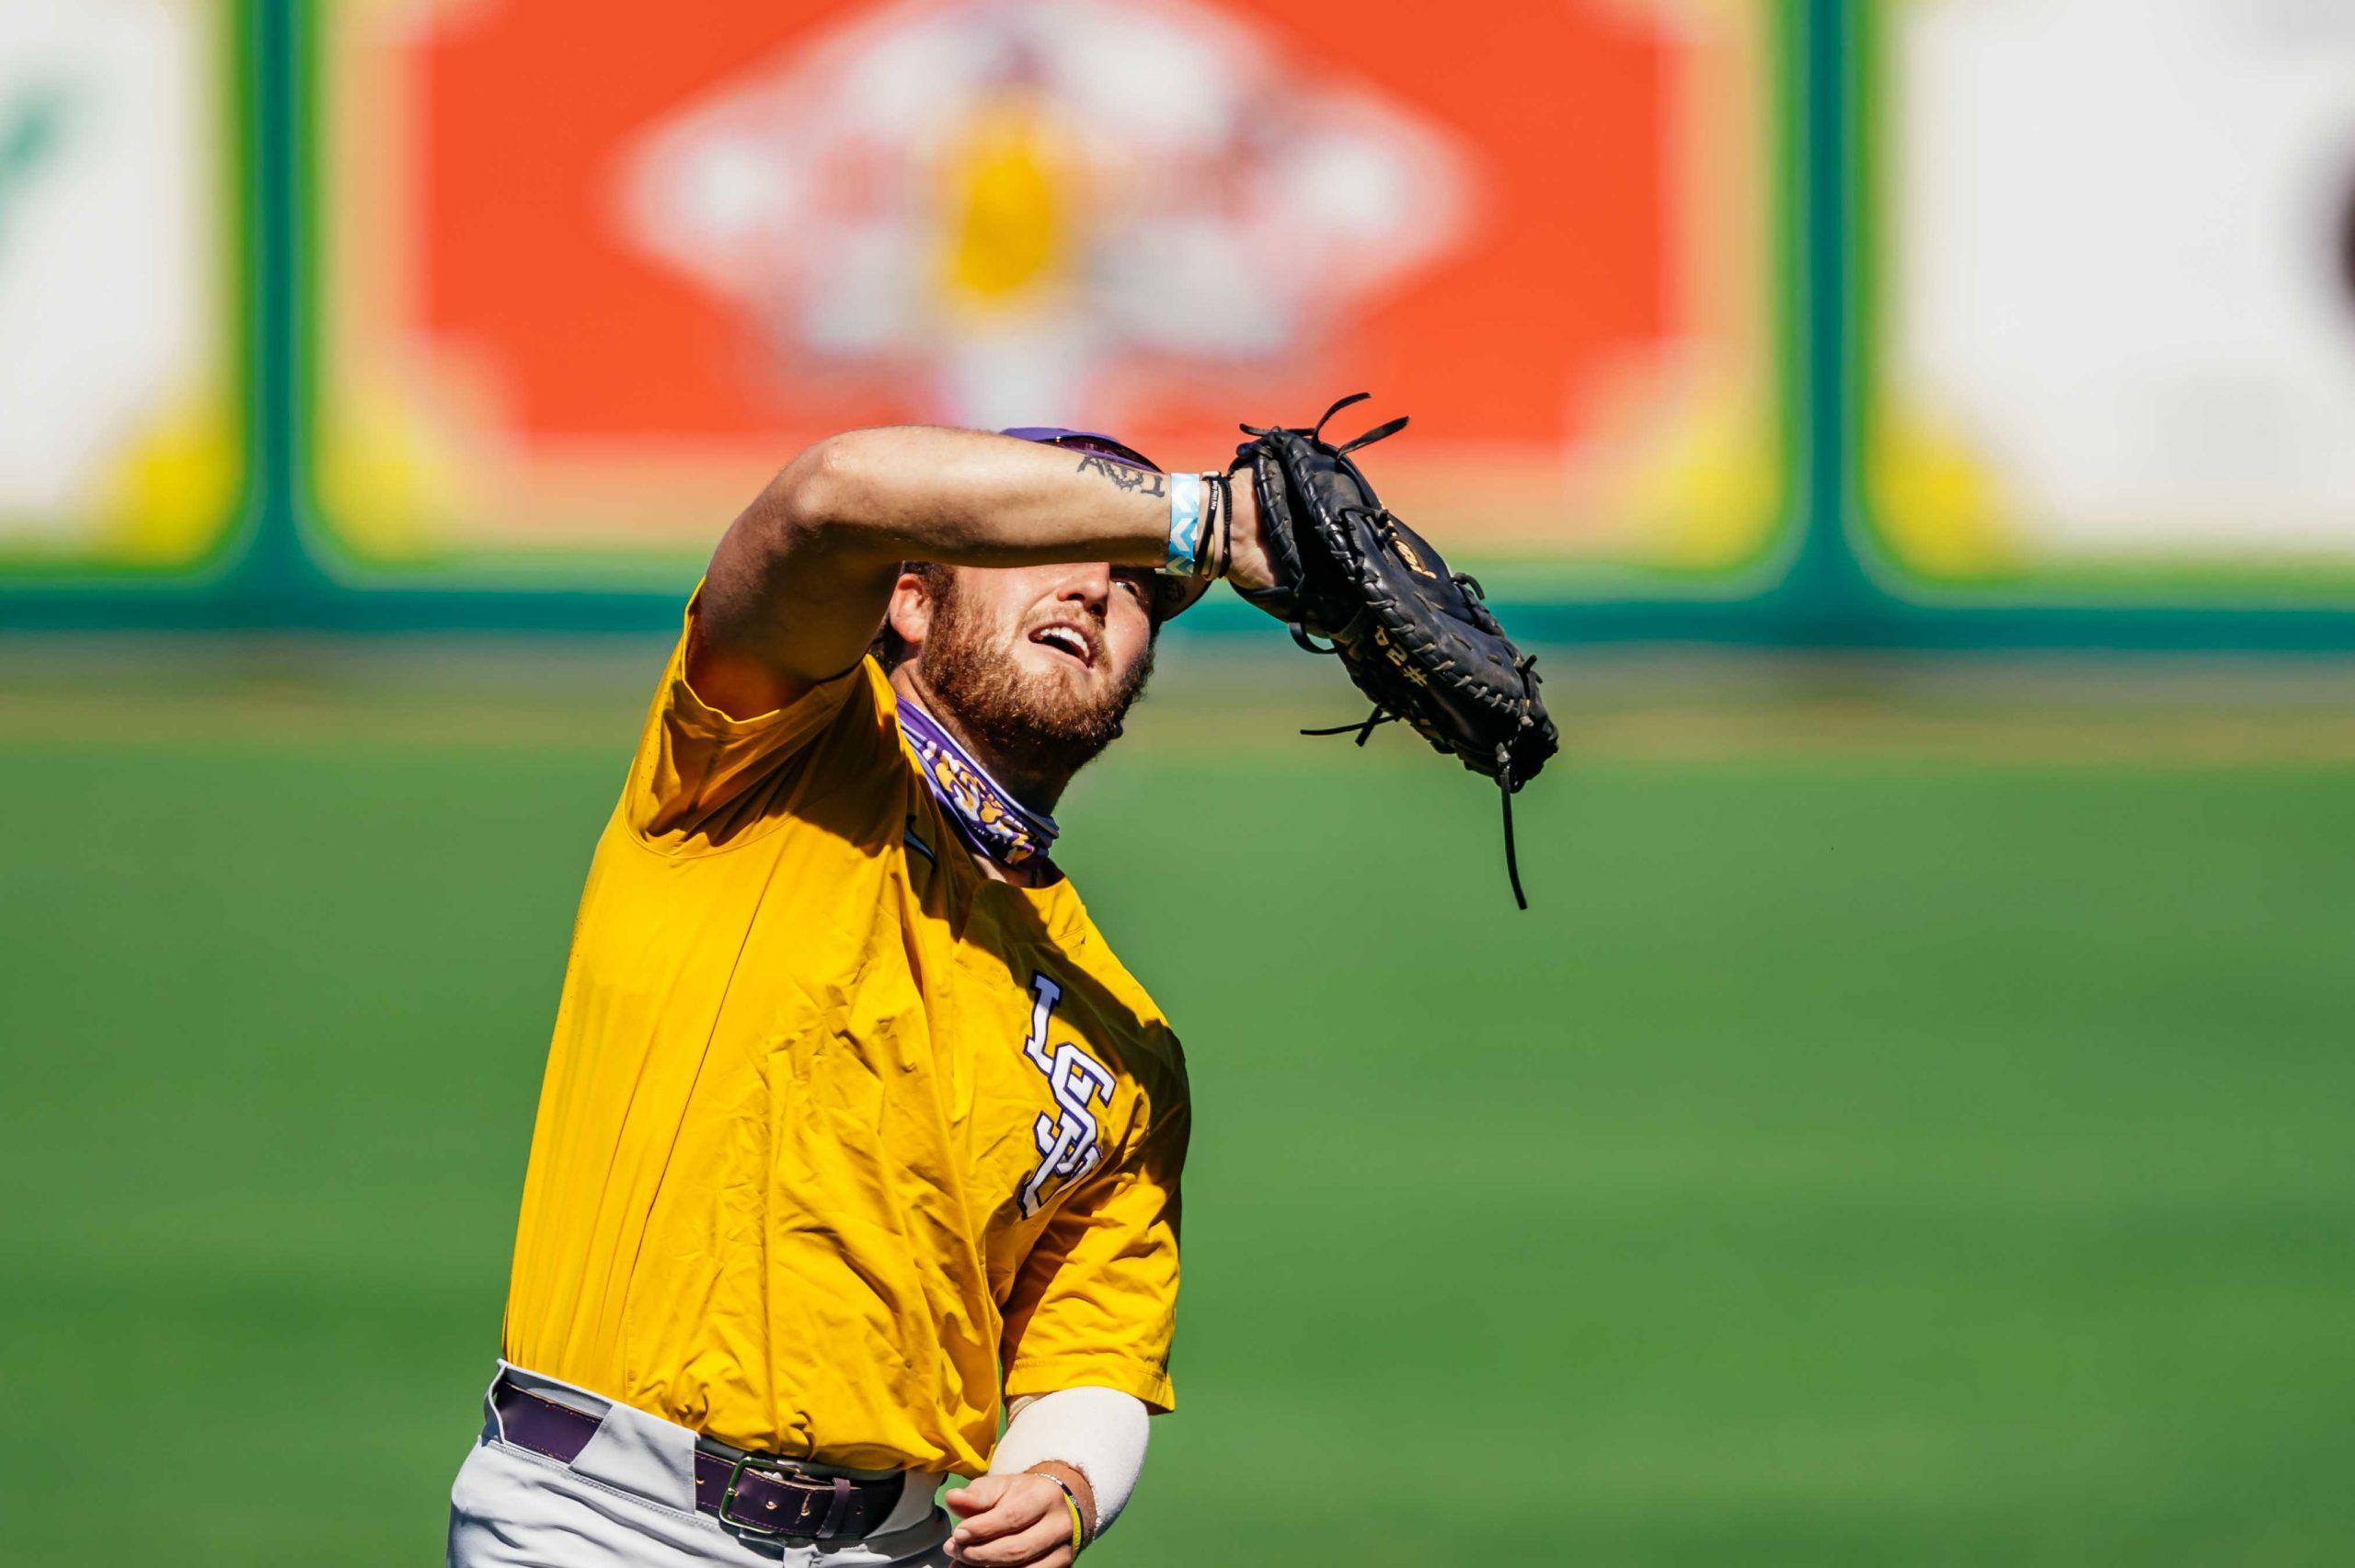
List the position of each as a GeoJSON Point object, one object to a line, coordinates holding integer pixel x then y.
{"type": "Point", "coordinates": [909, 616]}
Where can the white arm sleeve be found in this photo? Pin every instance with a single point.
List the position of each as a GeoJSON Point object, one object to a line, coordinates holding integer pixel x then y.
{"type": "Point", "coordinates": [1099, 1432]}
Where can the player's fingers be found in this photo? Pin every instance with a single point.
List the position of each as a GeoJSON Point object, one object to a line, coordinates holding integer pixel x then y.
{"type": "Point", "coordinates": [1009, 1515]}
{"type": "Point", "coordinates": [982, 1491]}
{"type": "Point", "coordinates": [1017, 1511]}
{"type": "Point", "coordinates": [1043, 1544]}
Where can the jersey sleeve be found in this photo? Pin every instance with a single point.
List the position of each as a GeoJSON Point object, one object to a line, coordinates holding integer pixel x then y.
{"type": "Point", "coordinates": [700, 774]}
{"type": "Point", "coordinates": [1095, 1303]}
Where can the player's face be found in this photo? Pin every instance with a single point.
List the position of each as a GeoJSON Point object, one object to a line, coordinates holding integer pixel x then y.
{"type": "Point", "coordinates": [1041, 661]}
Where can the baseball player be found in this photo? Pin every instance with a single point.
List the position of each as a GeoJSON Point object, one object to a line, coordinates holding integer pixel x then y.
{"type": "Point", "coordinates": [855, 1137]}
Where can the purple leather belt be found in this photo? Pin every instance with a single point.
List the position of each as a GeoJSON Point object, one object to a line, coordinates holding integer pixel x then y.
{"type": "Point", "coordinates": [750, 1491]}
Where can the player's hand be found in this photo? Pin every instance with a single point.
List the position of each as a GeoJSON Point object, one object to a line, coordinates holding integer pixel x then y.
{"type": "Point", "coordinates": [1010, 1521]}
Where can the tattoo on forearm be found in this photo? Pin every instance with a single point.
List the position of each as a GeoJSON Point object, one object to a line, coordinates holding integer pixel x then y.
{"type": "Point", "coordinates": [1126, 477]}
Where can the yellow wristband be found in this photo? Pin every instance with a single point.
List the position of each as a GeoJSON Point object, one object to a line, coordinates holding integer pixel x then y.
{"type": "Point", "coordinates": [1078, 1519]}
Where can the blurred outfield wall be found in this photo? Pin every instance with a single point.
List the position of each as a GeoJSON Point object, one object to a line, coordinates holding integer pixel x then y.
{"type": "Point", "coordinates": [1976, 322]}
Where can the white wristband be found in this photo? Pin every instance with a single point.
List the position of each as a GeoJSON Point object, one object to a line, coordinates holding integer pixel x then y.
{"type": "Point", "coordinates": [1185, 525]}
{"type": "Point", "coordinates": [1099, 1432]}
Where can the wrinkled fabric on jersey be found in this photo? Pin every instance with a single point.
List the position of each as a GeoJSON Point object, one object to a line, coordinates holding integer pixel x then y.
{"type": "Point", "coordinates": [831, 1123]}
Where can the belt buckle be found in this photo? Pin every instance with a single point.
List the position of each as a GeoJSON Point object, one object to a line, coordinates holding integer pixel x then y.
{"type": "Point", "coordinates": [728, 1497]}
{"type": "Point", "coordinates": [838, 1495]}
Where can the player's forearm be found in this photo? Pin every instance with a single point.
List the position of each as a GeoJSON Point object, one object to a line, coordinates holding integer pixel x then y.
{"type": "Point", "coordinates": [966, 499]}
{"type": "Point", "coordinates": [1095, 1438]}
{"type": "Point", "coordinates": [798, 585]}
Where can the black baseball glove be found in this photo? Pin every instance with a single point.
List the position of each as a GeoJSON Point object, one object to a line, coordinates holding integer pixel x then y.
{"type": "Point", "coordinates": [1414, 635]}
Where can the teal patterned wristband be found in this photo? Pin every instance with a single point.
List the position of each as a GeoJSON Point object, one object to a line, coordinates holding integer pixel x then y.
{"type": "Point", "coordinates": [1185, 557]}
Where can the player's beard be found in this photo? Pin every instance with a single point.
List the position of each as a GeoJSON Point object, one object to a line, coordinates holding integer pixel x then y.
{"type": "Point", "coordinates": [1040, 725]}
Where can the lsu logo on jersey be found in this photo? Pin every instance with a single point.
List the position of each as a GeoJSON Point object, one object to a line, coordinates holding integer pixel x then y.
{"type": "Point", "coordinates": [1070, 1141]}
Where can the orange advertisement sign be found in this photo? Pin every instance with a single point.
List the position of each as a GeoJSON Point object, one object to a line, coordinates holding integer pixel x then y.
{"type": "Point", "coordinates": [589, 281]}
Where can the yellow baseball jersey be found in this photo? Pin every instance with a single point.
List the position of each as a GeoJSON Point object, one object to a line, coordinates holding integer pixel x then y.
{"type": "Point", "coordinates": [837, 1130]}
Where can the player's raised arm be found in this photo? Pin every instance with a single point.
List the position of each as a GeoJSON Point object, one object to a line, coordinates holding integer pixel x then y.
{"type": "Point", "coordinates": [798, 586]}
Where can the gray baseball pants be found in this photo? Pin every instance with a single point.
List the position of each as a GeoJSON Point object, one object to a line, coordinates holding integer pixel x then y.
{"type": "Point", "coordinates": [628, 1501]}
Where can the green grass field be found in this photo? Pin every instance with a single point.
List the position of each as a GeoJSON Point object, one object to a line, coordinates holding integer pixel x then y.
{"type": "Point", "coordinates": [1916, 1124]}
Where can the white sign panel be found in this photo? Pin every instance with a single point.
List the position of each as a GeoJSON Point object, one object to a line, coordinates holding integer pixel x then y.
{"type": "Point", "coordinates": [116, 437]}
{"type": "Point", "coordinates": [2115, 318]}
